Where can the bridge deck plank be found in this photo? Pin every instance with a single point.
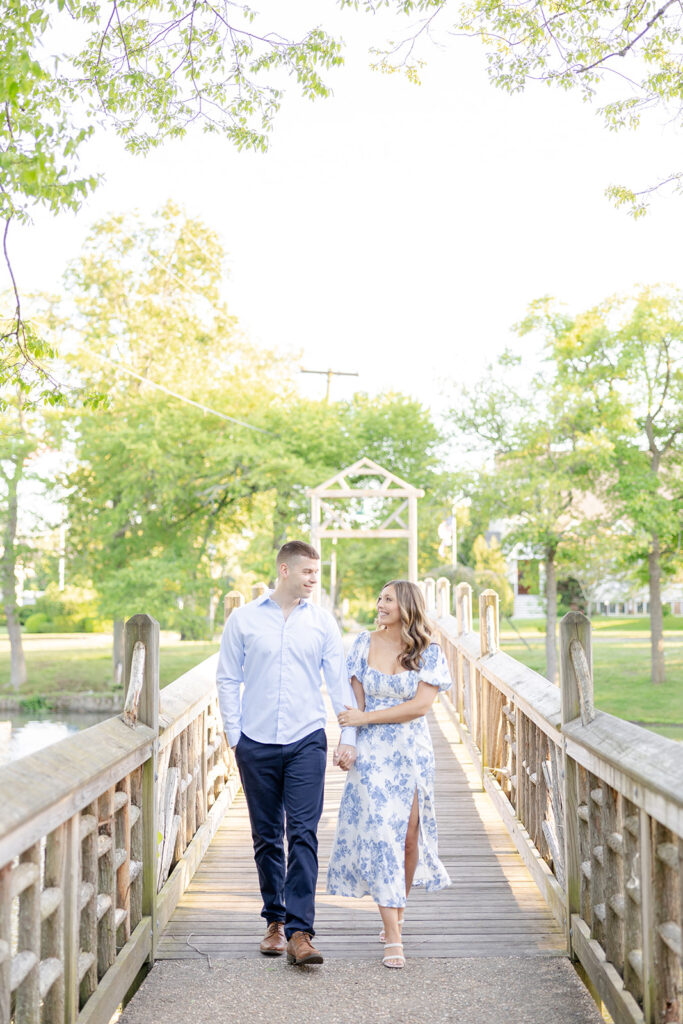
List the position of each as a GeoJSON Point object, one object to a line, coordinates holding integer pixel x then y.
{"type": "Point", "coordinates": [492, 908]}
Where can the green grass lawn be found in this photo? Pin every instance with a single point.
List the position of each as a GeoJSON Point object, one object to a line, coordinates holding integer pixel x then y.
{"type": "Point", "coordinates": [611, 625]}
{"type": "Point", "coordinates": [89, 669]}
{"type": "Point", "coordinates": [622, 678]}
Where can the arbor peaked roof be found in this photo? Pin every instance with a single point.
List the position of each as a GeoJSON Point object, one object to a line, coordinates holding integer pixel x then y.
{"type": "Point", "coordinates": [391, 485]}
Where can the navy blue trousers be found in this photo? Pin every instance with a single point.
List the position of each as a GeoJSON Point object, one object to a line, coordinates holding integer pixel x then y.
{"type": "Point", "coordinates": [283, 784]}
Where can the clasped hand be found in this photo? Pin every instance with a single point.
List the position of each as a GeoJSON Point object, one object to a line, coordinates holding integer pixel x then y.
{"type": "Point", "coordinates": [351, 716]}
{"type": "Point", "coordinates": [344, 756]}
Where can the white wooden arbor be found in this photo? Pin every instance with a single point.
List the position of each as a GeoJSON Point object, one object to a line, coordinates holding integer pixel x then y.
{"type": "Point", "coordinates": [379, 485]}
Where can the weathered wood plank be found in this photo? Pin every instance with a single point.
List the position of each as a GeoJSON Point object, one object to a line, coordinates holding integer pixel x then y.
{"type": "Point", "coordinates": [622, 1006]}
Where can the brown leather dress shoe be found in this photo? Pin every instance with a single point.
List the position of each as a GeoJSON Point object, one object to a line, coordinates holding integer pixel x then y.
{"type": "Point", "coordinates": [274, 942]}
{"type": "Point", "coordinates": [300, 950]}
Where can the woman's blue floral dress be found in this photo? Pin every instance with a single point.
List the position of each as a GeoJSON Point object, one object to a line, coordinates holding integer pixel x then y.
{"type": "Point", "coordinates": [393, 761]}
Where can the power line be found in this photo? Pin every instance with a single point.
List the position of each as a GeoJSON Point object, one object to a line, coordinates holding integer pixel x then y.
{"type": "Point", "coordinates": [181, 398]}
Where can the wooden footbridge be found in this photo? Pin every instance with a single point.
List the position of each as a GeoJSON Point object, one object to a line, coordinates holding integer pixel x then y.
{"type": "Point", "coordinates": [560, 826]}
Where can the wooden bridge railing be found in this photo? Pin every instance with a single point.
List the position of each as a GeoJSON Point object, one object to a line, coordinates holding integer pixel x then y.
{"type": "Point", "coordinates": [594, 804]}
{"type": "Point", "coordinates": [99, 836]}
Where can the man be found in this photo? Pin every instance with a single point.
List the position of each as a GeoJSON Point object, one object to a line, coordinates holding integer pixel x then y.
{"type": "Point", "coordinates": [276, 646]}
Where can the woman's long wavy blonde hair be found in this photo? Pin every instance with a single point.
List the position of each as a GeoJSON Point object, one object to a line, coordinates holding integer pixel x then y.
{"type": "Point", "coordinates": [416, 634]}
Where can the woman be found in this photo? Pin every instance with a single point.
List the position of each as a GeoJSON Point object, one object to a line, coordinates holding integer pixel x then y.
{"type": "Point", "coordinates": [386, 837]}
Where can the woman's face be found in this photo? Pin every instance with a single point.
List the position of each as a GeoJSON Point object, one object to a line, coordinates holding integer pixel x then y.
{"type": "Point", "coordinates": [388, 612]}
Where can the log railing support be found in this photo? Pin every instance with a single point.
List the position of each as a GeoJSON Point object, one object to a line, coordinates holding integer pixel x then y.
{"type": "Point", "coordinates": [488, 635]}
{"type": "Point", "coordinates": [488, 622]}
{"type": "Point", "coordinates": [463, 607]}
{"type": "Point", "coordinates": [145, 629]}
{"type": "Point", "coordinates": [576, 694]}
{"type": "Point", "coordinates": [443, 597]}
{"type": "Point", "coordinates": [430, 594]}
{"type": "Point", "coordinates": [258, 590]}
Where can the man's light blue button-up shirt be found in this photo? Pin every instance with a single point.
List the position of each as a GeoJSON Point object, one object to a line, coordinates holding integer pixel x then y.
{"type": "Point", "coordinates": [278, 663]}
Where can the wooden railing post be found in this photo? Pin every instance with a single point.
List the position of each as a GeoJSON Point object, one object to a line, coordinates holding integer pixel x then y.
{"type": "Point", "coordinates": [488, 622]}
{"type": "Point", "coordinates": [233, 599]}
{"type": "Point", "coordinates": [463, 607]}
{"type": "Point", "coordinates": [443, 597]}
{"type": "Point", "coordinates": [146, 629]}
{"type": "Point", "coordinates": [430, 594]}
{"type": "Point", "coordinates": [258, 590]}
{"type": "Point", "coordinates": [488, 635]}
{"type": "Point", "coordinates": [576, 695]}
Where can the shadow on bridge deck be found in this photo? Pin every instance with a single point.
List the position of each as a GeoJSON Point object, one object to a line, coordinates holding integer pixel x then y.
{"type": "Point", "coordinates": [493, 907]}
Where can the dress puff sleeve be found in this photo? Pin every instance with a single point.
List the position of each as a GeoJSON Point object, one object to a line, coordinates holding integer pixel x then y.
{"type": "Point", "coordinates": [435, 669]}
{"type": "Point", "coordinates": [356, 661]}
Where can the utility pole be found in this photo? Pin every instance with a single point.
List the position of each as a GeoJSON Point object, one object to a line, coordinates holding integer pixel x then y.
{"type": "Point", "coordinates": [330, 374]}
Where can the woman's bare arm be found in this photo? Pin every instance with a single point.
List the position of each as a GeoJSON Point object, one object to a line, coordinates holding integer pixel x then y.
{"type": "Point", "coordinates": [358, 692]}
{"type": "Point", "coordinates": [416, 707]}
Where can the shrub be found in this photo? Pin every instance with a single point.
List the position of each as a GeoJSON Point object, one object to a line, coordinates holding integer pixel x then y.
{"type": "Point", "coordinates": [64, 624]}
{"type": "Point", "coordinates": [68, 606]}
{"type": "Point", "coordinates": [192, 625]}
{"type": "Point", "coordinates": [33, 704]}
{"type": "Point", "coordinates": [38, 623]}
{"type": "Point", "coordinates": [25, 611]}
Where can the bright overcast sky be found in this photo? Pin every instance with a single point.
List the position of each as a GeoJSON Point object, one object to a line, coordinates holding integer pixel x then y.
{"type": "Point", "coordinates": [398, 230]}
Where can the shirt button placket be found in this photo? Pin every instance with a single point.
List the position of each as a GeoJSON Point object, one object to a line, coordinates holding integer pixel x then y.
{"type": "Point", "coordinates": [283, 654]}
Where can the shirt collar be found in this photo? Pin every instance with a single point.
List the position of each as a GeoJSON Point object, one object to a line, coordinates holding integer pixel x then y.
{"type": "Point", "coordinates": [268, 595]}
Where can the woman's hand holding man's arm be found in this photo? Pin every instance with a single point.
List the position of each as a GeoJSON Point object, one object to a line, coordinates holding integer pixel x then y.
{"type": "Point", "coordinates": [416, 707]}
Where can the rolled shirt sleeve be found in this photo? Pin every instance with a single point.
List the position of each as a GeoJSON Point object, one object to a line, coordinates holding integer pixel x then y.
{"type": "Point", "coordinates": [337, 678]}
{"type": "Point", "coordinates": [229, 679]}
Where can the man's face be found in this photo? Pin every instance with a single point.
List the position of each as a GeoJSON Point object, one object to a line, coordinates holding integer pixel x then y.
{"type": "Point", "coordinates": [301, 576]}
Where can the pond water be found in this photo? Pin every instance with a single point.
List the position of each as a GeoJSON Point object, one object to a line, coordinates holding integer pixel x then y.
{"type": "Point", "coordinates": [30, 731]}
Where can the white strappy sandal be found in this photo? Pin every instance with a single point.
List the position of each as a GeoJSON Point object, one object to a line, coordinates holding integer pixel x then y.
{"type": "Point", "coordinates": [394, 956]}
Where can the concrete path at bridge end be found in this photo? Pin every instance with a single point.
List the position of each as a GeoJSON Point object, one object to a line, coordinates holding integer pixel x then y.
{"type": "Point", "coordinates": [488, 990]}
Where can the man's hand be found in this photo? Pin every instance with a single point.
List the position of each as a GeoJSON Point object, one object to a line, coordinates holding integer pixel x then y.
{"type": "Point", "coordinates": [344, 756]}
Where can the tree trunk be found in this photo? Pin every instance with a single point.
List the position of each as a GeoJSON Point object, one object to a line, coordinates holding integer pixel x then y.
{"type": "Point", "coordinates": [118, 652]}
{"type": "Point", "coordinates": [17, 673]}
{"type": "Point", "coordinates": [551, 616]}
{"type": "Point", "coordinates": [656, 618]}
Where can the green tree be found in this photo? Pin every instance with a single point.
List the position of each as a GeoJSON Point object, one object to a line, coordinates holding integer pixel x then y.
{"type": "Point", "coordinates": [593, 557]}
{"type": "Point", "coordinates": [542, 460]}
{"type": "Point", "coordinates": [170, 503]}
{"type": "Point", "coordinates": [25, 435]}
{"type": "Point", "coordinates": [17, 448]}
{"type": "Point", "coordinates": [491, 571]}
{"type": "Point", "coordinates": [165, 475]}
{"type": "Point", "coordinates": [144, 71]}
{"type": "Point", "coordinates": [163, 495]}
{"type": "Point", "coordinates": [626, 357]}
{"type": "Point", "coordinates": [149, 71]}
{"type": "Point", "coordinates": [625, 56]}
